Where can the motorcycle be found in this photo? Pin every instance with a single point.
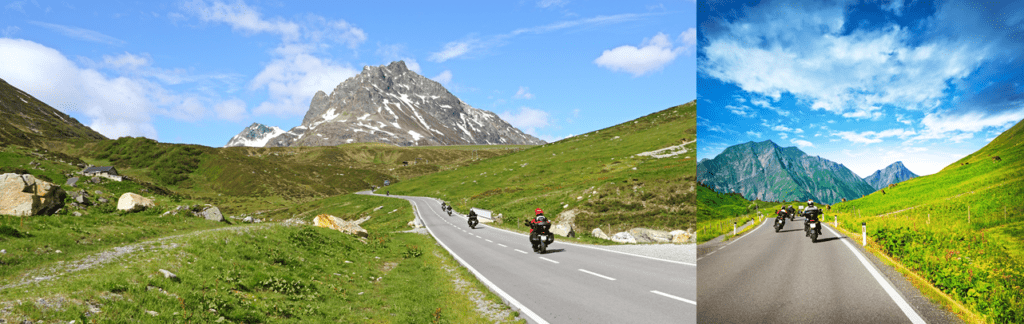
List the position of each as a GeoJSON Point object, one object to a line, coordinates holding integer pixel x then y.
{"type": "Point", "coordinates": [472, 221]}
{"type": "Point", "coordinates": [813, 228]}
{"type": "Point", "coordinates": [780, 222]}
{"type": "Point", "coordinates": [449, 210]}
{"type": "Point", "coordinates": [541, 236]}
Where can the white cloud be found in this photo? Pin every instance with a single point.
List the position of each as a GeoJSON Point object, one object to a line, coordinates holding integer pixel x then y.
{"type": "Point", "coordinates": [903, 119]}
{"type": "Point", "coordinates": [394, 52]}
{"type": "Point", "coordinates": [80, 33]}
{"type": "Point", "coordinates": [809, 54]}
{"type": "Point", "coordinates": [765, 104]}
{"type": "Point", "coordinates": [233, 110]}
{"type": "Point", "coordinates": [781, 128]}
{"type": "Point", "coordinates": [870, 137]}
{"type": "Point", "coordinates": [444, 78]}
{"type": "Point", "coordinates": [957, 128]}
{"type": "Point", "coordinates": [798, 131]}
{"type": "Point", "coordinates": [652, 55]}
{"type": "Point", "coordinates": [412, 65]}
{"type": "Point", "coordinates": [801, 143]}
{"type": "Point", "coordinates": [754, 134]}
{"type": "Point", "coordinates": [523, 93]}
{"type": "Point", "coordinates": [242, 17]}
{"type": "Point", "coordinates": [741, 110]}
{"type": "Point", "coordinates": [689, 38]}
{"type": "Point", "coordinates": [783, 135]}
{"type": "Point", "coordinates": [293, 77]}
{"type": "Point", "coordinates": [551, 3]}
{"type": "Point", "coordinates": [451, 50]}
{"type": "Point", "coordinates": [527, 119]}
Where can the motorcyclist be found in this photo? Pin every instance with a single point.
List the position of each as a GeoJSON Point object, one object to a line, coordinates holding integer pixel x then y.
{"type": "Point", "coordinates": [538, 224]}
{"type": "Point", "coordinates": [792, 212]}
{"type": "Point", "coordinates": [471, 218]}
{"type": "Point", "coordinates": [449, 210]}
{"type": "Point", "coordinates": [781, 215]}
{"type": "Point", "coordinates": [811, 213]}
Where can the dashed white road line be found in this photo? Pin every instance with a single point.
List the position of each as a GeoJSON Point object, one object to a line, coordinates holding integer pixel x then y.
{"type": "Point", "coordinates": [520, 251]}
{"type": "Point", "coordinates": [489, 241]}
{"type": "Point", "coordinates": [502, 245]}
{"type": "Point", "coordinates": [597, 274]}
{"type": "Point", "coordinates": [675, 297]}
{"type": "Point", "coordinates": [549, 260]}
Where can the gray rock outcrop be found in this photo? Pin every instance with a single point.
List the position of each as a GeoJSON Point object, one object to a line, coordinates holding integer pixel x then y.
{"type": "Point", "coordinates": [645, 235]}
{"type": "Point", "coordinates": [211, 213]}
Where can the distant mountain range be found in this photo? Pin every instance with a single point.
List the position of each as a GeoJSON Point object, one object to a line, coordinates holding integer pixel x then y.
{"type": "Point", "coordinates": [894, 173]}
{"type": "Point", "coordinates": [27, 121]}
{"type": "Point", "coordinates": [389, 104]}
{"type": "Point", "coordinates": [765, 171]}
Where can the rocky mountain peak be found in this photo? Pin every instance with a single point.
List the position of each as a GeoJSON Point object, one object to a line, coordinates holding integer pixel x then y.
{"type": "Point", "coordinates": [391, 104]}
{"type": "Point", "coordinates": [894, 173]}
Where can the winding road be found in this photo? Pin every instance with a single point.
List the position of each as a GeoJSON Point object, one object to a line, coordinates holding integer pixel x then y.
{"type": "Point", "coordinates": [769, 277]}
{"type": "Point", "coordinates": [572, 283]}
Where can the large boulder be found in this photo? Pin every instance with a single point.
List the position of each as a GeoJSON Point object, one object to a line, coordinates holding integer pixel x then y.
{"type": "Point", "coordinates": [623, 237]}
{"type": "Point", "coordinates": [132, 202]}
{"type": "Point", "coordinates": [646, 235]}
{"type": "Point", "coordinates": [211, 213]}
{"type": "Point", "coordinates": [24, 195]}
{"type": "Point", "coordinates": [681, 236]}
{"type": "Point", "coordinates": [347, 227]}
{"type": "Point", "coordinates": [565, 223]}
{"type": "Point", "coordinates": [81, 197]}
{"type": "Point", "coordinates": [598, 233]}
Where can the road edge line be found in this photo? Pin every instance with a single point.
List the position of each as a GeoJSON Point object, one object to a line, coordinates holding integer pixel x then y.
{"type": "Point", "coordinates": [515, 304]}
{"type": "Point", "coordinates": [904, 306]}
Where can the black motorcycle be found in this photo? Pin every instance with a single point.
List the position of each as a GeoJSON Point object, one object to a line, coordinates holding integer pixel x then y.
{"type": "Point", "coordinates": [780, 222]}
{"type": "Point", "coordinates": [444, 206]}
{"type": "Point", "coordinates": [813, 227]}
{"type": "Point", "coordinates": [540, 236]}
{"type": "Point", "coordinates": [449, 210]}
{"type": "Point", "coordinates": [471, 219]}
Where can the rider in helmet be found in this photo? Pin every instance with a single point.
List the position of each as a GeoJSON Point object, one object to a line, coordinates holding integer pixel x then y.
{"type": "Point", "coordinates": [540, 223]}
{"type": "Point", "coordinates": [811, 213]}
{"type": "Point", "coordinates": [781, 214]}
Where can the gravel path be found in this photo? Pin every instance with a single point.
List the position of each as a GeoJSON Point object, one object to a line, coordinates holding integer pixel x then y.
{"type": "Point", "coordinates": [106, 256]}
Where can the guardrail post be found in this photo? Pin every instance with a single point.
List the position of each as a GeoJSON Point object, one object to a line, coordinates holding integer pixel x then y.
{"type": "Point", "coordinates": [864, 233]}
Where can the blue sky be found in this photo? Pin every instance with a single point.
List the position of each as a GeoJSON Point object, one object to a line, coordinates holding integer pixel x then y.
{"type": "Point", "coordinates": [200, 71]}
{"type": "Point", "coordinates": [863, 83]}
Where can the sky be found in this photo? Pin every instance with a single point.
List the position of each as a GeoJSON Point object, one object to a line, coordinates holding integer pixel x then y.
{"type": "Point", "coordinates": [200, 71]}
{"type": "Point", "coordinates": [862, 83]}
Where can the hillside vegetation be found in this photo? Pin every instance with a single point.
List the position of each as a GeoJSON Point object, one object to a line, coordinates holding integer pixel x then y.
{"type": "Point", "coordinates": [599, 174]}
{"type": "Point", "coordinates": [716, 212]}
{"type": "Point", "coordinates": [960, 229]}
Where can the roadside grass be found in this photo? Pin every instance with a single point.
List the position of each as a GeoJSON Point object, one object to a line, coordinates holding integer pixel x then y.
{"type": "Point", "coordinates": [960, 229]}
{"type": "Point", "coordinates": [591, 173]}
{"type": "Point", "coordinates": [267, 273]}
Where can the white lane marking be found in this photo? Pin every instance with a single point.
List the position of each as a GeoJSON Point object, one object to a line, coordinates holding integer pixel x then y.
{"type": "Point", "coordinates": [502, 245]}
{"type": "Point", "coordinates": [489, 241]}
{"type": "Point", "coordinates": [597, 274]}
{"type": "Point", "coordinates": [514, 303]}
{"type": "Point", "coordinates": [549, 260]}
{"type": "Point", "coordinates": [904, 306]}
{"type": "Point", "coordinates": [520, 251]}
{"type": "Point", "coordinates": [675, 297]}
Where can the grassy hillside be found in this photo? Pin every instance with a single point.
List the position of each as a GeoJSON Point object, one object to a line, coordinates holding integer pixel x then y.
{"type": "Point", "coordinates": [245, 179]}
{"type": "Point", "coordinates": [960, 229]}
{"type": "Point", "coordinates": [29, 122]}
{"type": "Point", "coordinates": [599, 174]}
{"type": "Point", "coordinates": [244, 274]}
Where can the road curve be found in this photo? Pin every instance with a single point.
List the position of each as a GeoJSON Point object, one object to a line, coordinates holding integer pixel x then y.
{"type": "Point", "coordinates": [571, 283]}
{"type": "Point", "coordinates": [769, 277]}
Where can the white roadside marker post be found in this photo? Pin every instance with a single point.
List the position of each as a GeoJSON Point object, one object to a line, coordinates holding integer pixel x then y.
{"type": "Point", "coordinates": [734, 228]}
{"type": "Point", "coordinates": [864, 233]}
{"type": "Point", "coordinates": [835, 221]}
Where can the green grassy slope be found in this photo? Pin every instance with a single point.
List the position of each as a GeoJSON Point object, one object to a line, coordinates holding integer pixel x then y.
{"type": "Point", "coordinates": [716, 212]}
{"type": "Point", "coordinates": [959, 228]}
{"type": "Point", "coordinates": [26, 121]}
{"type": "Point", "coordinates": [597, 173]}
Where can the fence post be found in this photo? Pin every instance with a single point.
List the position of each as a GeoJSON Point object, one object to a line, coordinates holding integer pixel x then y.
{"type": "Point", "coordinates": [864, 233]}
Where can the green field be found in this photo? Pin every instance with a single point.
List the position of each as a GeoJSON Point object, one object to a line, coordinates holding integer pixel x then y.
{"type": "Point", "coordinates": [960, 228]}
{"type": "Point", "coordinates": [716, 212]}
{"type": "Point", "coordinates": [598, 174]}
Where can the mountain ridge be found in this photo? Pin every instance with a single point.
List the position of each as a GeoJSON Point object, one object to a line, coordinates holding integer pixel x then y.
{"type": "Point", "coordinates": [27, 121]}
{"type": "Point", "coordinates": [768, 172]}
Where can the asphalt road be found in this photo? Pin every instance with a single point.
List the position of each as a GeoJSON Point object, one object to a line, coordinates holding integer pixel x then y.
{"type": "Point", "coordinates": [769, 277]}
{"type": "Point", "coordinates": [571, 283]}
